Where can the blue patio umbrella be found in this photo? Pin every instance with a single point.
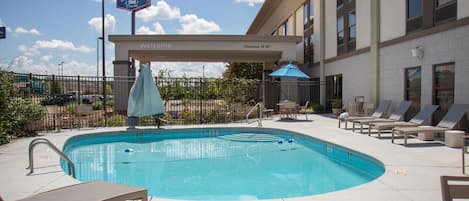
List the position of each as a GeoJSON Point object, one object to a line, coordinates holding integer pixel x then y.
{"type": "Point", "coordinates": [289, 71]}
{"type": "Point", "coordinates": [144, 97]}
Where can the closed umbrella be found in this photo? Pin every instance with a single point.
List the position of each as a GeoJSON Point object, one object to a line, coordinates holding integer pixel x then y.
{"type": "Point", "coordinates": [289, 71]}
{"type": "Point", "coordinates": [144, 97]}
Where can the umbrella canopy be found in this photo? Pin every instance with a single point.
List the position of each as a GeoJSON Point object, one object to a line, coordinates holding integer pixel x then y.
{"type": "Point", "coordinates": [289, 70]}
{"type": "Point", "coordinates": [144, 97]}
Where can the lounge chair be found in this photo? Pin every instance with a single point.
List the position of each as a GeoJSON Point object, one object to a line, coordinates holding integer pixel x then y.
{"type": "Point", "coordinates": [397, 115]}
{"type": "Point", "coordinates": [449, 122]}
{"type": "Point", "coordinates": [380, 112]}
{"type": "Point", "coordinates": [418, 120]}
{"type": "Point", "coordinates": [92, 191]}
{"type": "Point", "coordinates": [304, 110]}
{"type": "Point", "coordinates": [454, 187]}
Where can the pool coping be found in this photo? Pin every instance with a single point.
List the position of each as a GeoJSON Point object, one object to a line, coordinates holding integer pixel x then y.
{"type": "Point", "coordinates": [412, 172]}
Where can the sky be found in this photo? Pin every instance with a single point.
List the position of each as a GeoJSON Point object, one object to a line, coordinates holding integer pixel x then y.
{"type": "Point", "coordinates": [42, 34]}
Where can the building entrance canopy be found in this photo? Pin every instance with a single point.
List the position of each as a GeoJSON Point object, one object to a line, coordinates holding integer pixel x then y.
{"type": "Point", "coordinates": [202, 48]}
{"type": "Point", "coordinates": [205, 48]}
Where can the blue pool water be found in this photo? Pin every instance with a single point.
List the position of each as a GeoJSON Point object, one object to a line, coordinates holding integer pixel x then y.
{"type": "Point", "coordinates": [221, 163]}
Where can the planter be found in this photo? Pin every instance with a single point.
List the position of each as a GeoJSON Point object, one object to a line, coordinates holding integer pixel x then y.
{"type": "Point", "coordinates": [336, 111]}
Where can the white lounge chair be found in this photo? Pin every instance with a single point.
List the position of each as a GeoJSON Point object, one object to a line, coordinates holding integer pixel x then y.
{"type": "Point", "coordinates": [397, 115]}
{"type": "Point", "coordinates": [449, 122]}
{"type": "Point", "coordinates": [92, 191]}
{"type": "Point", "coordinates": [380, 112]}
{"type": "Point", "coordinates": [418, 120]}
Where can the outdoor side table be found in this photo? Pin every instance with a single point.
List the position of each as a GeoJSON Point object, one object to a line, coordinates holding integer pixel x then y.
{"type": "Point", "coordinates": [453, 138]}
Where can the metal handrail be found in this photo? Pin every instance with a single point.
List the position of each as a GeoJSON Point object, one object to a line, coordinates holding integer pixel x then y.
{"type": "Point", "coordinates": [33, 143]}
{"type": "Point", "coordinates": [258, 105]}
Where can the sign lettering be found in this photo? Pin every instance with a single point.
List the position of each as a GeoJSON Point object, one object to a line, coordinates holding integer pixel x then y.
{"type": "Point", "coordinates": [155, 45]}
{"type": "Point", "coordinates": [259, 46]}
{"type": "Point", "coordinates": [133, 5]}
{"type": "Point", "coordinates": [3, 33]}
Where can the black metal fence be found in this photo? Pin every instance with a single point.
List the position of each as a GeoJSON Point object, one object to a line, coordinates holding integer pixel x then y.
{"type": "Point", "coordinates": [88, 101]}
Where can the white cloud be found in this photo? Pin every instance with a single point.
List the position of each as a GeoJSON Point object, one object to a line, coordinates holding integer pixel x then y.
{"type": "Point", "coordinates": [157, 29]}
{"type": "Point", "coordinates": [109, 23]}
{"type": "Point", "coordinates": [28, 51]}
{"type": "Point", "coordinates": [47, 58]}
{"type": "Point", "coordinates": [8, 29]}
{"type": "Point", "coordinates": [189, 69]}
{"type": "Point", "coordinates": [191, 24]}
{"type": "Point", "coordinates": [21, 30]}
{"type": "Point", "coordinates": [160, 11]}
{"type": "Point", "coordinates": [61, 45]}
{"type": "Point", "coordinates": [250, 2]}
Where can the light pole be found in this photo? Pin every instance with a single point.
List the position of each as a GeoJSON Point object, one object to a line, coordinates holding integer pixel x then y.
{"type": "Point", "coordinates": [61, 68]}
{"type": "Point", "coordinates": [104, 60]}
{"type": "Point", "coordinates": [97, 63]}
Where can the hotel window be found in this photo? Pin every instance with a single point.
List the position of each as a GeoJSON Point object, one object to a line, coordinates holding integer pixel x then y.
{"type": "Point", "coordinates": [445, 10]}
{"type": "Point", "coordinates": [423, 14]}
{"type": "Point", "coordinates": [352, 30]}
{"type": "Point", "coordinates": [308, 32]}
{"type": "Point", "coordinates": [309, 49]}
{"type": "Point", "coordinates": [308, 14]}
{"type": "Point", "coordinates": [305, 14]}
{"type": "Point", "coordinates": [414, 15]}
{"type": "Point", "coordinates": [413, 82]}
{"type": "Point", "coordinates": [311, 11]}
{"type": "Point", "coordinates": [333, 89]}
{"type": "Point", "coordinates": [340, 35]}
{"type": "Point", "coordinates": [346, 26]}
{"type": "Point", "coordinates": [443, 89]}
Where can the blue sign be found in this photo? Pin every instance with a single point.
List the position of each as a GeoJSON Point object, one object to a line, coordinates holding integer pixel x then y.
{"type": "Point", "coordinates": [133, 5]}
{"type": "Point", "coordinates": [3, 33]}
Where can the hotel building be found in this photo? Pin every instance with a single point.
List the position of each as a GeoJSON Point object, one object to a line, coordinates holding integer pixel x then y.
{"type": "Point", "coordinates": [414, 50]}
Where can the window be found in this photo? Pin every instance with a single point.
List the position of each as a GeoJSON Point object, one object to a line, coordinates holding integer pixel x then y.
{"type": "Point", "coordinates": [340, 34]}
{"type": "Point", "coordinates": [423, 14]}
{"type": "Point", "coordinates": [346, 27]}
{"type": "Point", "coordinates": [340, 3]}
{"type": "Point", "coordinates": [309, 49]}
{"type": "Point", "coordinates": [305, 14]}
{"type": "Point", "coordinates": [445, 10]}
{"type": "Point", "coordinates": [414, 15]}
{"type": "Point", "coordinates": [443, 89]}
{"type": "Point", "coordinates": [352, 30]}
{"type": "Point", "coordinates": [412, 91]}
{"type": "Point", "coordinates": [333, 89]}
{"type": "Point", "coordinates": [311, 11]}
{"type": "Point", "coordinates": [285, 28]}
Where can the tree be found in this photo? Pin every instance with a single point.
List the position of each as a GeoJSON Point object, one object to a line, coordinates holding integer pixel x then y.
{"type": "Point", "coordinates": [243, 70]}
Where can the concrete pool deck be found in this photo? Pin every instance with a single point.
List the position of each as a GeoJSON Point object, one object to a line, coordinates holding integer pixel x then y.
{"type": "Point", "coordinates": [412, 172]}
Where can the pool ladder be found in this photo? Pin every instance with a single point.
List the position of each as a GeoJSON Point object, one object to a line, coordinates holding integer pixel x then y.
{"type": "Point", "coordinates": [259, 107]}
{"type": "Point", "coordinates": [33, 143]}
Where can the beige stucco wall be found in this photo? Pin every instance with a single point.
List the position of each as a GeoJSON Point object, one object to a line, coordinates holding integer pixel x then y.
{"type": "Point", "coordinates": [463, 9]}
{"type": "Point", "coordinates": [282, 13]}
{"type": "Point", "coordinates": [393, 14]}
{"type": "Point", "coordinates": [331, 29]}
{"type": "Point", "coordinates": [363, 23]}
{"type": "Point", "coordinates": [299, 22]}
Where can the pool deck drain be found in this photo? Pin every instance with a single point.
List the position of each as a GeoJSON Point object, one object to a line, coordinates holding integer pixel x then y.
{"type": "Point", "coordinates": [412, 172]}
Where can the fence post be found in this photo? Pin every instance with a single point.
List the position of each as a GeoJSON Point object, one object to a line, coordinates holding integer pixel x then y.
{"type": "Point", "coordinates": [200, 101]}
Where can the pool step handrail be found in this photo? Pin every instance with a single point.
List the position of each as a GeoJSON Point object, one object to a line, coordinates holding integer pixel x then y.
{"type": "Point", "coordinates": [33, 143]}
{"type": "Point", "coordinates": [259, 107]}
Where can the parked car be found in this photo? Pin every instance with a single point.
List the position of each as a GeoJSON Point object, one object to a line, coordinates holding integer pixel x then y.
{"type": "Point", "coordinates": [58, 99]}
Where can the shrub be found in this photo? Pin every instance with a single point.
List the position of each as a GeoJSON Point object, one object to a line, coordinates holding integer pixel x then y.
{"type": "Point", "coordinates": [317, 108]}
{"type": "Point", "coordinates": [116, 120]}
{"type": "Point", "coordinates": [337, 103]}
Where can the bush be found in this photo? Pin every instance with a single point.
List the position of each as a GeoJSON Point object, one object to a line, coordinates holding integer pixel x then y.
{"type": "Point", "coordinates": [317, 108]}
{"type": "Point", "coordinates": [116, 120]}
{"type": "Point", "coordinates": [337, 103]}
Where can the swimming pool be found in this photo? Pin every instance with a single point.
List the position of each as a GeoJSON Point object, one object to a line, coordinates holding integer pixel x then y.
{"type": "Point", "coordinates": [220, 163]}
